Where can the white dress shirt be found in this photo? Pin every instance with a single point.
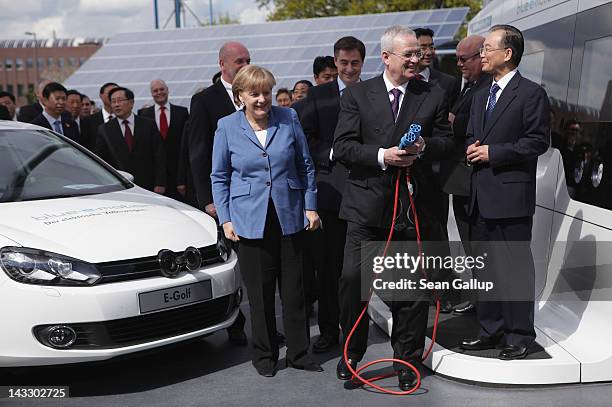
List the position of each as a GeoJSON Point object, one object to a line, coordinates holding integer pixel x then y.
{"type": "Point", "coordinates": [228, 89]}
{"type": "Point", "coordinates": [52, 120]}
{"type": "Point", "coordinates": [502, 83]}
{"type": "Point", "coordinates": [158, 113]}
{"type": "Point", "coordinates": [106, 115]}
{"type": "Point", "coordinates": [425, 74]}
{"type": "Point", "coordinates": [130, 120]}
{"type": "Point", "coordinates": [390, 87]}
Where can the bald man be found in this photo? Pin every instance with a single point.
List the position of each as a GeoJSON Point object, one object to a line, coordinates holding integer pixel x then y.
{"type": "Point", "coordinates": [455, 173]}
{"type": "Point", "coordinates": [28, 112]}
{"type": "Point", "coordinates": [207, 107]}
{"type": "Point", "coordinates": [170, 120]}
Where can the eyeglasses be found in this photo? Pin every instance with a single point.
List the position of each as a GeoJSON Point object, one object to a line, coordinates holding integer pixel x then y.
{"type": "Point", "coordinates": [409, 55]}
{"type": "Point", "coordinates": [463, 59]}
{"type": "Point", "coordinates": [484, 51]}
{"type": "Point", "coordinates": [118, 100]}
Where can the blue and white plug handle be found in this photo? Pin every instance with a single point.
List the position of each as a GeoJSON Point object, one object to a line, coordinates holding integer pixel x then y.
{"type": "Point", "coordinates": [410, 137]}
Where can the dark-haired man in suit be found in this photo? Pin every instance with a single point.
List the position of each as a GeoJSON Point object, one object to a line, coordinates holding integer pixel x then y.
{"type": "Point", "coordinates": [207, 107]}
{"type": "Point", "coordinates": [90, 124]}
{"type": "Point", "coordinates": [53, 117]}
{"type": "Point", "coordinates": [509, 128]}
{"type": "Point", "coordinates": [170, 120]}
{"type": "Point", "coordinates": [132, 143]}
{"type": "Point", "coordinates": [319, 118]}
{"type": "Point", "coordinates": [374, 114]}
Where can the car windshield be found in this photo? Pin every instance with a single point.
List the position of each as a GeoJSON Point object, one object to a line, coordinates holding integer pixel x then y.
{"type": "Point", "coordinates": [37, 164]}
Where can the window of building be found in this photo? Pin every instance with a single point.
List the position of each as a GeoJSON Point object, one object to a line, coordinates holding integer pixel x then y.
{"type": "Point", "coordinates": [72, 61]}
{"type": "Point", "coordinates": [60, 62]}
{"type": "Point", "coordinates": [20, 88]}
{"type": "Point", "coordinates": [29, 63]}
{"type": "Point", "coordinates": [8, 63]}
{"type": "Point", "coordinates": [19, 64]}
{"type": "Point", "coordinates": [586, 147]}
{"type": "Point", "coordinates": [82, 60]}
{"type": "Point", "coordinates": [49, 62]}
{"type": "Point", "coordinates": [10, 89]}
{"type": "Point", "coordinates": [40, 63]}
{"type": "Point", "coordinates": [31, 88]}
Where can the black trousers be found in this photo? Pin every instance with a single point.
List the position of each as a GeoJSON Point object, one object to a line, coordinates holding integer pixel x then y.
{"type": "Point", "coordinates": [512, 319]}
{"type": "Point", "coordinates": [328, 257]}
{"type": "Point", "coordinates": [409, 317]}
{"type": "Point", "coordinates": [263, 262]}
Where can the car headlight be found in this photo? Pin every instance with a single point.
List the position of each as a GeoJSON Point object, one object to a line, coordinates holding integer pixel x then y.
{"type": "Point", "coordinates": [224, 246]}
{"type": "Point", "coordinates": [32, 266]}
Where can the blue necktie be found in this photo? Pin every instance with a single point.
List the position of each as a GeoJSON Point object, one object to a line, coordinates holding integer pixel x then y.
{"type": "Point", "coordinates": [492, 100]}
{"type": "Point", "coordinates": [57, 126]}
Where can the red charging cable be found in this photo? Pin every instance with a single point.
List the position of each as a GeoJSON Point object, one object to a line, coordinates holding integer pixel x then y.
{"type": "Point", "coordinates": [356, 375]}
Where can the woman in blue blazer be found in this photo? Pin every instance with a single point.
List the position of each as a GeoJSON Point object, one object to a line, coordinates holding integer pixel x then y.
{"type": "Point", "coordinates": [264, 190]}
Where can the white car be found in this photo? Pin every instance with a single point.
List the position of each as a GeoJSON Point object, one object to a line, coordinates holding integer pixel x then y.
{"type": "Point", "coordinates": [93, 266]}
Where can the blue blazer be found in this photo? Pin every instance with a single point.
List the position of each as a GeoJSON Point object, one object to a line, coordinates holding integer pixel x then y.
{"type": "Point", "coordinates": [245, 174]}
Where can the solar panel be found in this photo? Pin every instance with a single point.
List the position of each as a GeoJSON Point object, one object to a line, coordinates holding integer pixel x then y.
{"type": "Point", "coordinates": [188, 58]}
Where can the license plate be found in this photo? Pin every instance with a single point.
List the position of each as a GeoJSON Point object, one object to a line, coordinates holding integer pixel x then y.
{"type": "Point", "coordinates": [175, 296]}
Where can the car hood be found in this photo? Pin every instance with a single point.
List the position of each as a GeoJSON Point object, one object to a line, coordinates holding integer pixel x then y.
{"type": "Point", "coordinates": [106, 227]}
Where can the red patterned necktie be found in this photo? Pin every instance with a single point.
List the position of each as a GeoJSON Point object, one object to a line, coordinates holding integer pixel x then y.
{"type": "Point", "coordinates": [129, 137]}
{"type": "Point", "coordinates": [163, 122]}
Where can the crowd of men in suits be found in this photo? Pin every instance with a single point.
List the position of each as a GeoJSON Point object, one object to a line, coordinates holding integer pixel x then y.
{"type": "Point", "coordinates": [168, 149]}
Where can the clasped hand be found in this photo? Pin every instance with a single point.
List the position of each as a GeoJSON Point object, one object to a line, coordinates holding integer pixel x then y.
{"type": "Point", "coordinates": [404, 158]}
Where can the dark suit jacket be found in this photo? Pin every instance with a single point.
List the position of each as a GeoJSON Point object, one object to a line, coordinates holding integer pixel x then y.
{"type": "Point", "coordinates": [299, 106]}
{"type": "Point", "coordinates": [319, 118]}
{"type": "Point", "coordinates": [172, 144]}
{"type": "Point", "coordinates": [207, 107]}
{"type": "Point", "coordinates": [89, 129]}
{"type": "Point", "coordinates": [454, 172]}
{"type": "Point", "coordinates": [366, 124]}
{"type": "Point", "coordinates": [517, 132]}
{"type": "Point", "coordinates": [449, 83]}
{"type": "Point", "coordinates": [146, 162]}
{"type": "Point", "coordinates": [29, 112]}
{"type": "Point", "coordinates": [69, 128]}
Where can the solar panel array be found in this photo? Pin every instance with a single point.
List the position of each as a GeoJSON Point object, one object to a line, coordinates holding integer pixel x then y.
{"type": "Point", "coordinates": [188, 58]}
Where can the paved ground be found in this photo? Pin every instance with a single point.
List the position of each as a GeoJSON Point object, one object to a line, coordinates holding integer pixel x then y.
{"type": "Point", "coordinates": [210, 372]}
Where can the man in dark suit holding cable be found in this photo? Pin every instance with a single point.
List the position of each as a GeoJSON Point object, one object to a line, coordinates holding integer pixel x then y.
{"type": "Point", "coordinates": [374, 115]}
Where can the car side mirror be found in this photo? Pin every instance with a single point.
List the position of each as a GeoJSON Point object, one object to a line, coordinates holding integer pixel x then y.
{"type": "Point", "coordinates": [126, 175]}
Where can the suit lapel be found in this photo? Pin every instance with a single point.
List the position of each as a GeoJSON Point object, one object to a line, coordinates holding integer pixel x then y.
{"type": "Point", "coordinates": [117, 140]}
{"type": "Point", "coordinates": [415, 94]}
{"type": "Point", "coordinates": [248, 131]}
{"type": "Point", "coordinates": [273, 125]}
{"type": "Point", "coordinates": [226, 104]}
{"type": "Point", "coordinates": [507, 96]}
{"type": "Point", "coordinates": [379, 103]}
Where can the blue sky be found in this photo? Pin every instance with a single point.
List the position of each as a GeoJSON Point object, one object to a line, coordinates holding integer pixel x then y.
{"type": "Point", "coordinates": [104, 18]}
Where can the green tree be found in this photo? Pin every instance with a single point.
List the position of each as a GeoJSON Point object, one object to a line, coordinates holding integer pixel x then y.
{"type": "Point", "coordinates": [290, 9]}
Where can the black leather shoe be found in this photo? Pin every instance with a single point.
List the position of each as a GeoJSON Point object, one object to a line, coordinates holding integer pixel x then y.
{"type": "Point", "coordinates": [469, 308]}
{"type": "Point", "coordinates": [342, 370]}
{"type": "Point", "coordinates": [407, 379]}
{"type": "Point", "coordinates": [445, 307]}
{"type": "Point", "coordinates": [480, 343]}
{"type": "Point", "coordinates": [279, 338]}
{"type": "Point", "coordinates": [238, 338]}
{"type": "Point", "coordinates": [511, 352]}
{"type": "Point", "coordinates": [308, 366]}
{"type": "Point", "coordinates": [324, 343]}
{"type": "Point", "coordinates": [266, 371]}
